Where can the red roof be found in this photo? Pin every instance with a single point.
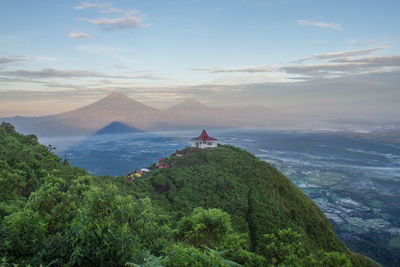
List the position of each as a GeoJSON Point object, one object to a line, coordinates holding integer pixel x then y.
{"type": "Point", "coordinates": [204, 137]}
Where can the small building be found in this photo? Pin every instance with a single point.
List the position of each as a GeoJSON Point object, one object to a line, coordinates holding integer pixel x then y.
{"type": "Point", "coordinates": [179, 153]}
{"type": "Point", "coordinates": [162, 164]}
{"type": "Point", "coordinates": [204, 141]}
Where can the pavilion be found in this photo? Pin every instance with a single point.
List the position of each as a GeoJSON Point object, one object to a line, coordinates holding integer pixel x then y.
{"type": "Point", "coordinates": [204, 141]}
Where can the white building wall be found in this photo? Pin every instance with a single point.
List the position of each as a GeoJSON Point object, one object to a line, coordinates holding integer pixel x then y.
{"type": "Point", "coordinates": [200, 144]}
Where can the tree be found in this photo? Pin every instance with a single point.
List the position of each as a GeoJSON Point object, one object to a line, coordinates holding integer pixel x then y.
{"type": "Point", "coordinates": [205, 227]}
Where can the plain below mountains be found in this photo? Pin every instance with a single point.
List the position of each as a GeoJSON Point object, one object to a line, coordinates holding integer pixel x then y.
{"type": "Point", "coordinates": [216, 207]}
{"type": "Point", "coordinates": [119, 108]}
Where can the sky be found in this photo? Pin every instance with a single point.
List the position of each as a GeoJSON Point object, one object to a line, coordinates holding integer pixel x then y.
{"type": "Point", "coordinates": [328, 58]}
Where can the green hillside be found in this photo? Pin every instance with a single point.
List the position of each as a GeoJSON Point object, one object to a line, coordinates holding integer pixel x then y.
{"type": "Point", "coordinates": [219, 207]}
{"type": "Point", "coordinates": [257, 196]}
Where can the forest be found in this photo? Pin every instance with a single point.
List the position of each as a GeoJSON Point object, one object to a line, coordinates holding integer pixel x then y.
{"type": "Point", "coordinates": [216, 207]}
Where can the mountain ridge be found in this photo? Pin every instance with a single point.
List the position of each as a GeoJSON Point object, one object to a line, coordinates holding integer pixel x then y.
{"type": "Point", "coordinates": [188, 103]}
{"type": "Point", "coordinates": [117, 107]}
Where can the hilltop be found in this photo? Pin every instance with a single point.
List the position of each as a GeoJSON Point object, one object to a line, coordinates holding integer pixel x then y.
{"type": "Point", "coordinates": [257, 196]}
{"type": "Point", "coordinates": [218, 207]}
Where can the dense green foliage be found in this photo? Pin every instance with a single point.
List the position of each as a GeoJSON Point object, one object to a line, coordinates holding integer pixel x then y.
{"type": "Point", "coordinates": [219, 207]}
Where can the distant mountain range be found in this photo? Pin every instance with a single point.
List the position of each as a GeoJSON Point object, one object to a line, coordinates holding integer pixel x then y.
{"type": "Point", "coordinates": [118, 108]}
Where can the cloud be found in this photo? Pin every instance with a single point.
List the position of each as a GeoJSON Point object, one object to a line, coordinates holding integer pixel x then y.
{"type": "Point", "coordinates": [104, 7]}
{"type": "Point", "coordinates": [80, 35]}
{"type": "Point", "coordinates": [11, 59]}
{"type": "Point", "coordinates": [120, 66]}
{"type": "Point", "coordinates": [342, 54]}
{"type": "Point", "coordinates": [130, 19]}
{"type": "Point", "coordinates": [19, 80]}
{"type": "Point", "coordinates": [123, 23]}
{"type": "Point", "coordinates": [53, 73]}
{"type": "Point", "coordinates": [85, 5]}
{"type": "Point", "coordinates": [346, 66]}
{"type": "Point", "coordinates": [25, 75]}
{"type": "Point", "coordinates": [334, 26]}
{"type": "Point", "coordinates": [17, 58]}
{"type": "Point", "coordinates": [321, 69]}
{"type": "Point", "coordinates": [243, 70]}
{"type": "Point", "coordinates": [340, 67]}
{"type": "Point", "coordinates": [386, 61]}
{"type": "Point", "coordinates": [369, 42]}
{"type": "Point", "coordinates": [116, 53]}
{"type": "Point", "coordinates": [138, 77]}
{"type": "Point", "coordinates": [149, 77]}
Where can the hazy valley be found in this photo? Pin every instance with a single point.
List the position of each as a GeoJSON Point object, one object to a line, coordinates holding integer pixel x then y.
{"type": "Point", "coordinates": [190, 113]}
{"type": "Point", "coordinates": [352, 171]}
{"type": "Point", "coordinates": [355, 181]}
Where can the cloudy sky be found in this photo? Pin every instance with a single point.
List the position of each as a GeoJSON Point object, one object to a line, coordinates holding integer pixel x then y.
{"type": "Point", "coordinates": [331, 58]}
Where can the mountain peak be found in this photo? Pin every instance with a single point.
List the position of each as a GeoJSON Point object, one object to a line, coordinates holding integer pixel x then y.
{"type": "Point", "coordinates": [189, 103]}
{"type": "Point", "coordinates": [114, 107]}
{"type": "Point", "coordinates": [115, 95]}
{"type": "Point", "coordinates": [118, 99]}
